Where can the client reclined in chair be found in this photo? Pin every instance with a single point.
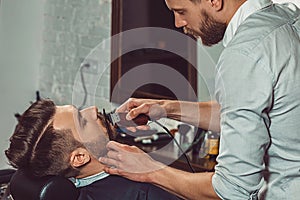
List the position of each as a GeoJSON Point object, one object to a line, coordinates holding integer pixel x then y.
{"type": "Point", "coordinates": [60, 140]}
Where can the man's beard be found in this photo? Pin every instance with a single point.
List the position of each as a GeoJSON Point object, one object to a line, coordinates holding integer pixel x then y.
{"type": "Point", "coordinates": [97, 147]}
{"type": "Point", "coordinates": [210, 31]}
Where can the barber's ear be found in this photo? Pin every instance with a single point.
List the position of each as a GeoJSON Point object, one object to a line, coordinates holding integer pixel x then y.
{"type": "Point", "coordinates": [79, 157]}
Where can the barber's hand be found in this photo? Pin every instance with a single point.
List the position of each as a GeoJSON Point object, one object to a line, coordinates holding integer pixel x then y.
{"type": "Point", "coordinates": [134, 107]}
{"type": "Point", "coordinates": [129, 162]}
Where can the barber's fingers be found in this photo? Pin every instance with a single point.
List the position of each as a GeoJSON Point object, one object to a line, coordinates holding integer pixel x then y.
{"type": "Point", "coordinates": [141, 109]}
{"type": "Point", "coordinates": [114, 155]}
{"type": "Point", "coordinates": [129, 104]}
{"type": "Point", "coordinates": [123, 107]}
{"type": "Point", "coordinates": [109, 162]}
{"type": "Point", "coordinates": [138, 128]}
{"type": "Point", "coordinates": [118, 147]}
{"type": "Point", "coordinates": [113, 170]}
{"type": "Point", "coordinates": [131, 129]}
{"type": "Point", "coordinates": [115, 146]}
{"type": "Point", "coordinates": [143, 127]}
{"type": "Point", "coordinates": [134, 107]}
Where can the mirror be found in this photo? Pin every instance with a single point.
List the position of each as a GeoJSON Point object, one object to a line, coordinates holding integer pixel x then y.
{"type": "Point", "coordinates": [151, 57]}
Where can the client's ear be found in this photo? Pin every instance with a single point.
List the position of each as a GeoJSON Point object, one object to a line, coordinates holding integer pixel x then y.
{"type": "Point", "coordinates": [79, 157]}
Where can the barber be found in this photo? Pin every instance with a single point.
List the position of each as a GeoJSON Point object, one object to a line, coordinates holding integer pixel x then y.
{"type": "Point", "coordinates": [257, 109]}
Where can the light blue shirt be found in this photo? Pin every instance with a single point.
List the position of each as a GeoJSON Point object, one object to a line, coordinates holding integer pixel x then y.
{"type": "Point", "coordinates": [81, 182]}
{"type": "Point", "coordinates": [258, 88]}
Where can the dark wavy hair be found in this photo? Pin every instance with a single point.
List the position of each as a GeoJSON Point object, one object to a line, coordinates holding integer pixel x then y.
{"type": "Point", "coordinates": [36, 146]}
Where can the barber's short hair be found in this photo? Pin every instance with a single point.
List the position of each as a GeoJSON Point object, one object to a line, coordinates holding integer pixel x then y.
{"type": "Point", "coordinates": [35, 145]}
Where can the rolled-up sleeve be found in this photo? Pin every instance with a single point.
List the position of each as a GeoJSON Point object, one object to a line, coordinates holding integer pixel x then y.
{"type": "Point", "coordinates": [244, 91]}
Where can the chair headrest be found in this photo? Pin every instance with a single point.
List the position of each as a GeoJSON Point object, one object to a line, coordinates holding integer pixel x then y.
{"type": "Point", "coordinates": [5, 175]}
{"type": "Point", "coordinates": [24, 185]}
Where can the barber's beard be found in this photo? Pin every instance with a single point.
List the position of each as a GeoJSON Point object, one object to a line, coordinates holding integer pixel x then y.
{"type": "Point", "coordinates": [210, 31]}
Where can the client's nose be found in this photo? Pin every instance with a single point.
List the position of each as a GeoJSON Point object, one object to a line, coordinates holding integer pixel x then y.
{"type": "Point", "coordinates": [90, 112]}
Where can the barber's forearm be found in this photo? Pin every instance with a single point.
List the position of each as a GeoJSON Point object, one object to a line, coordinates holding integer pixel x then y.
{"type": "Point", "coordinates": [205, 115]}
{"type": "Point", "coordinates": [186, 185]}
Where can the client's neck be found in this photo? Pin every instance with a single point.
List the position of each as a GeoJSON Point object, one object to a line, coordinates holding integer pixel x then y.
{"type": "Point", "coordinates": [91, 168]}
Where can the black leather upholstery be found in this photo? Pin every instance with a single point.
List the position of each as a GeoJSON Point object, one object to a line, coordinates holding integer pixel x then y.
{"type": "Point", "coordinates": [5, 175]}
{"type": "Point", "coordinates": [25, 186]}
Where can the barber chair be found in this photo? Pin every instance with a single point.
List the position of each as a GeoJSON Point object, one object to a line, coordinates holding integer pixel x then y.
{"type": "Point", "coordinates": [21, 185]}
{"type": "Point", "coordinates": [5, 176]}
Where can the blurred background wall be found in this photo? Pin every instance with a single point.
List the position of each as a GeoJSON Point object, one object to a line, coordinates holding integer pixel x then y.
{"type": "Point", "coordinates": [42, 43]}
{"type": "Point", "coordinates": [21, 25]}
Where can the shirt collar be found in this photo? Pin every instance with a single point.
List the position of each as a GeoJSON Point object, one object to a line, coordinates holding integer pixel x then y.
{"type": "Point", "coordinates": [81, 182]}
{"type": "Point", "coordinates": [246, 9]}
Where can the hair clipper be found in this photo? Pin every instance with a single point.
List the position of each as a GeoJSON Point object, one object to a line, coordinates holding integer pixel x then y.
{"type": "Point", "coordinates": [119, 118]}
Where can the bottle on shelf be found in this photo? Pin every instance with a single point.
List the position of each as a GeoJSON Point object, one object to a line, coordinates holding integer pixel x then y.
{"type": "Point", "coordinates": [210, 145]}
